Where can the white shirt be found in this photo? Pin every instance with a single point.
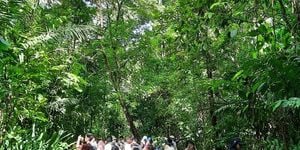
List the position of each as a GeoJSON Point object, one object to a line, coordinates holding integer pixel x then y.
{"type": "Point", "coordinates": [108, 146]}
{"type": "Point", "coordinates": [127, 146]}
{"type": "Point", "coordinates": [167, 147]}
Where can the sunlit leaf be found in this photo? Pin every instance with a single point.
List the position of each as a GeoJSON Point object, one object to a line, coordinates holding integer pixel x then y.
{"type": "Point", "coordinates": [4, 45]}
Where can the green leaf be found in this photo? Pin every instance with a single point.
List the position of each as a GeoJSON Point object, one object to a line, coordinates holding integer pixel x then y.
{"type": "Point", "coordinates": [59, 67]}
{"type": "Point", "coordinates": [294, 99]}
{"type": "Point", "coordinates": [233, 33]}
{"type": "Point", "coordinates": [171, 33]}
{"type": "Point", "coordinates": [77, 88]}
{"type": "Point", "coordinates": [218, 4]}
{"type": "Point", "coordinates": [4, 45]}
{"type": "Point", "coordinates": [262, 29]}
{"type": "Point", "coordinates": [208, 15]}
{"type": "Point", "coordinates": [293, 102]}
{"type": "Point", "coordinates": [237, 75]}
{"type": "Point", "coordinates": [277, 104]}
{"type": "Point", "coordinates": [263, 86]}
{"type": "Point", "coordinates": [258, 86]}
{"type": "Point", "coordinates": [254, 33]}
{"type": "Point", "coordinates": [254, 54]}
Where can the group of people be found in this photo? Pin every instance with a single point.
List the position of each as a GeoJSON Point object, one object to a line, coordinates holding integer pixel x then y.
{"type": "Point", "coordinates": [89, 142]}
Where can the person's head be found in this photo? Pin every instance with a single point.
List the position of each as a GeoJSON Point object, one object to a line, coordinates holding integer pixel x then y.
{"type": "Point", "coordinates": [172, 137]}
{"type": "Point", "coordinates": [81, 139]}
{"type": "Point", "coordinates": [235, 144]}
{"type": "Point", "coordinates": [128, 140]}
{"type": "Point", "coordinates": [114, 139]}
{"type": "Point", "coordinates": [109, 139]}
{"type": "Point", "coordinates": [144, 141]}
{"type": "Point", "coordinates": [149, 140]}
{"type": "Point", "coordinates": [169, 141]}
{"type": "Point", "coordinates": [190, 145]}
{"type": "Point", "coordinates": [101, 141]}
{"type": "Point", "coordinates": [89, 137]}
{"type": "Point", "coordinates": [121, 138]}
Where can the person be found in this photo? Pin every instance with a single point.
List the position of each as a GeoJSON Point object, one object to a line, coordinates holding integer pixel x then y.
{"type": "Point", "coordinates": [174, 141]}
{"type": "Point", "coordinates": [90, 140]}
{"type": "Point", "coordinates": [111, 144]}
{"type": "Point", "coordinates": [190, 146]}
{"type": "Point", "coordinates": [169, 144]}
{"type": "Point", "coordinates": [135, 145]}
{"type": "Point", "coordinates": [79, 142]}
{"type": "Point", "coordinates": [235, 144]}
{"type": "Point", "coordinates": [115, 147]}
{"type": "Point", "coordinates": [127, 144]}
{"type": "Point", "coordinates": [86, 147]}
{"type": "Point", "coordinates": [108, 144]}
{"type": "Point", "coordinates": [101, 145]}
{"type": "Point", "coordinates": [115, 144]}
{"type": "Point", "coordinates": [82, 144]}
{"type": "Point", "coordinates": [121, 143]}
{"type": "Point", "coordinates": [148, 144]}
{"type": "Point", "coordinates": [143, 141]}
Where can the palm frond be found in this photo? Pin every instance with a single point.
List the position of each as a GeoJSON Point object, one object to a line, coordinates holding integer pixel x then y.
{"type": "Point", "coordinates": [9, 12]}
{"type": "Point", "coordinates": [78, 32]}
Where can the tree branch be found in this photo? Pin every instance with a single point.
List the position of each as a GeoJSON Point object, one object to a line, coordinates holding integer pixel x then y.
{"type": "Point", "coordinates": [119, 4]}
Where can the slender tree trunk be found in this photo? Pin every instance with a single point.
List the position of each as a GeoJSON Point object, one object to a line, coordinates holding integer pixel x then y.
{"type": "Point", "coordinates": [8, 110]}
{"type": "Point", "coordinates": [115, 80]}
{"type": "Point", "coordinates": [129, 118]}
{"type": "Point", "coordinates": [297, 12]}
{"type": "Point", "coordinates": [284, 16]}
{"type": "Point", "coordinates": [211, 99]}
{"type": "Point", "coordinates": [297, 28]}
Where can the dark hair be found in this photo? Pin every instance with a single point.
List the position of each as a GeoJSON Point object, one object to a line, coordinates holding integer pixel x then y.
{"type": "Point", "coordinates": [169, 141]}
{"type": "Point", "coordinates": [145, 140]}
{"type": "Point", "coordinates": [234, 142]}
{"type": "Point", "coordinates": [86, 147]}
{"type": "Point", "coordinates": [89, 135]}
{"type": "Point", "coordinates": [109, 139]}
{"type": "Point", "coordinates": [150, 140]}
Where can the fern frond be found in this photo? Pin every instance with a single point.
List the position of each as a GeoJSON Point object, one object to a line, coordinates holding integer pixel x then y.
{"type": "Point", "coordinates": [78, 32]}
{"type": "Point", "coordinates": [9, 12]}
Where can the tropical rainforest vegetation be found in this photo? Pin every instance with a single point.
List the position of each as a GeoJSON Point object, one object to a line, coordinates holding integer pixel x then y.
{"type": "Point", "coordinates": [205, 70]}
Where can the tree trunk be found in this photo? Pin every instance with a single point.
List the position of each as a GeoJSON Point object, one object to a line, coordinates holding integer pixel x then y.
{"type": "Point", "coordinates": [297, 12]}
{"type": "Point", "coordinates": [129, 118]}
{"type": "Point", "coordinates": [115, 79]}
{"type": "Point", "coordinates": [211, 100]}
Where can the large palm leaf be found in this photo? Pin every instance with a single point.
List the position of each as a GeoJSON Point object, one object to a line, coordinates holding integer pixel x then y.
{"type": "Point", "coordinates": [78, 32]}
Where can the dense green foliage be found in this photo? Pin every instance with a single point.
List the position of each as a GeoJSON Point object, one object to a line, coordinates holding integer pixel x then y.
{"type": "Point", "coordinates": [204, 70]}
